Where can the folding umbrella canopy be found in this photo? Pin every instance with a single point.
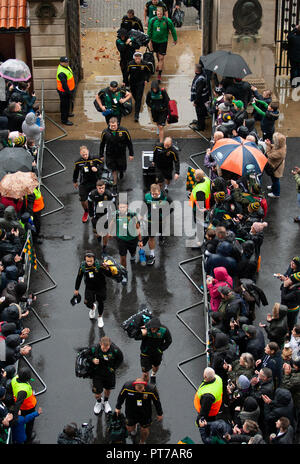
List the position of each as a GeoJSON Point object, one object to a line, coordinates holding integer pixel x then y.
{"type": "Point", "coordinates": [18, 184]}
{"type": "Point", "coordinates": [15, 70]}
{"type": "Point", "coordinates": [14, 159]}
{"type": "Point", "coordinates": [238, 156]}
{"type": "Point", "coordinates": [227, 64]}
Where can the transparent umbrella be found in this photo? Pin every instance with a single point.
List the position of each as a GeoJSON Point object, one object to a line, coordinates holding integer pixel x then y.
{"type": "Point", "coordinates": [15, 70]}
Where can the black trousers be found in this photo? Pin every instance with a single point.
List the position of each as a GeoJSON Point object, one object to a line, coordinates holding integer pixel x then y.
{"type": "Point", "coordinates": [65, 103]}
{"type": "Point", "coordinates": [137, 91]}
{"type": "Point", "coordinates": [201, 112]}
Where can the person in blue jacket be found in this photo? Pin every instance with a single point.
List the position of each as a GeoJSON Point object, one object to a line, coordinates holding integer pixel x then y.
{"type": "Point", "coordinates": [18, 428]}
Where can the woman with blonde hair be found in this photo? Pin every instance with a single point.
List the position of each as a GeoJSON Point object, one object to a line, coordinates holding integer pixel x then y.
{"type": "Point", "coordinates": [276, 154]}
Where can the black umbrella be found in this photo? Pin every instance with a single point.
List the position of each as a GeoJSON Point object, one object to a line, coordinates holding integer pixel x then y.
{"type": "Point", "coordinates": [13, 159]}
{"type": "Point", "coordinates": [226, 64]}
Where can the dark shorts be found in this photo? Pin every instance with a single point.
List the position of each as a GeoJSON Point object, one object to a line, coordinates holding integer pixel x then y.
{"type": "Point", "coordinates": [94, 223]}
{"type": "Point", "coordinates": [162, 174]}
{"type": "Point", "coordinates": [84, 190]}
{"type": "Point", "coordinates": [127, 245]}
{"type": "Point", "coordinates": [147, 361]}
{"type": "Point", "coordinates": [91, 296]}
{"type": "Point", "coordinates": [144, 422]}
{"type": "Point", "coordinates": [116, 164]}
{"type": "Point", "coordinates": [107, 382]}
{"type": "Point", "coordinates": [160, 117]}
{"type": "Point", "coordinates": [160, 48]}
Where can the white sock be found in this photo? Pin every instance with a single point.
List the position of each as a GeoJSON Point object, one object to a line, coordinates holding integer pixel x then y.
{"type": "Point", "coordinates": [152, 253]}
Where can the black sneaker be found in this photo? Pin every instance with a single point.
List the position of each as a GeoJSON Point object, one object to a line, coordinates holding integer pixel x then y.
{"type": "Point", "coordinates": [67, 123]}
{"type": "Point", "coordinates": [136, 119]}
{"type": "Point", "coordinates": [153, 379]}
{"type": "Point", "coordinates": [150, 260]}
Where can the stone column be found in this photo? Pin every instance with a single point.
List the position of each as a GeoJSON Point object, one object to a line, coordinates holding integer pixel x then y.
{"type": "Point", "coordinates": [258, 47]}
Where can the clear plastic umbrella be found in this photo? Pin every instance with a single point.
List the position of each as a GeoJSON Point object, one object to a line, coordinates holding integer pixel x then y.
{"type": "Point", "coordinates": [15, 70]}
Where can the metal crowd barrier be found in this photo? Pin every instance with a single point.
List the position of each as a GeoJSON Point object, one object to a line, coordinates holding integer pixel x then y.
{"type": "Point", "coordinates": [27, 262]}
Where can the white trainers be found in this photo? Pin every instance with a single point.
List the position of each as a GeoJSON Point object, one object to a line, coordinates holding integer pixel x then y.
{"type": "Point", "coordinates": [271, 195]}
{"type": "Point", "coordinates": [269, 187]}
{"type": "Point", "coordinates": [92, 313]}
{"type": "Point", "coordinates": [100, 322]}
{"type": "Point", "coordinates": [98, 406]}
{"type": "Point", "coordinates": [107, 408]}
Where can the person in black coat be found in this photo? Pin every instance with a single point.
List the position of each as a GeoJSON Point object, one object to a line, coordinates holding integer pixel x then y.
{"type": "Point", "coordinates": [285, 433]}
{"type": "Point", "coordinates": [116, 139]}
{"type": "Point", "coordinates": [281, 405]}
{"type": "Point", "coordinates": [255, 343]}
{"type": "Point", "coordinates": [130, 21]}
{"type": "Point", "coordinates": [273, 360]}
{"type": "Point", "coordinates": [222, 257]}
{"type": "Point", "coordinates": [294, 55]}
{"type": "Point", "coordinates": [15, 116]}
{"type": "Point", "coordinates": [241, 90]}
{"type": "Point", "coordinates": [277, 327]}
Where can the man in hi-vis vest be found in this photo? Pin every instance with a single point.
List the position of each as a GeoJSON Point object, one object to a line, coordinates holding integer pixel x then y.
{"type": "Point", "coordinates": [65, 87]}
{"type": "Point", "coordinates": [208, 398]}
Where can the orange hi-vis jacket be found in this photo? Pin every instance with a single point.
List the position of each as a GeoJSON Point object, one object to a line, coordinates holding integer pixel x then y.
{"type": "Point", "coordinates": [214, 388]}
{"type": "Point", "coordinates": [30, 400]}
{"type": "Point", "coordinates": [70, 78]}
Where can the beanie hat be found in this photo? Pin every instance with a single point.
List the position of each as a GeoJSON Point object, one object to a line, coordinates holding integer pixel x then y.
{"type": "Point", "coordinates": [296, 260]}
{"type": "Point", "coordinates": [259, 226]}
{"type": "Point", "coordinates": [254, 206]}
{"type": "Point", "coordinates": [24, 374]}
{"type": "Point", "coordinates": [154, 323]}
{"type": "Point", "coordinates": [243, 382]}
{"type": "Point", "coordinates": [239, 104]}
{"type": "Point", "coordinates": [20, 141]}
{"type": "Point", "coordinates": [250, 329]}
{"type": "Point", "coordinates": [219, 195]}
{"type": "Point", "coordinates": [226, 117]}
{"type": "Point", "coordinates": [250, 403]}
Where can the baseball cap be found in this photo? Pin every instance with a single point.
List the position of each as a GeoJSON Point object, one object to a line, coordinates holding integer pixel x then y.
{"type": "Point", "coordinates": [250, 329]}
{"type": "Point", "coordinates": [224, 290]}
{"type": "Point", "coordinates": [137, 54]}
{"type": "Point", "coordinates": [64, 59]}
{"type": "Point", "coordinates": [113, 84]}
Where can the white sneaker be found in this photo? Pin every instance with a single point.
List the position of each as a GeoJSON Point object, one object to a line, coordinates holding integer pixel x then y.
{"type": "Point", "coordinates": [107, 408]}
{"type": "Point", "coordinates": [92, 313]}
{"type": "Point", "coordinates": [271, 195]}
{"type": "Point", "coordinates": [269, 187]}
{"type": "Point", "coordinates": [100, 322]}
{"type": "Point", "coordinates": [98, 406]}
{"type": "Point", "coordinates": [134, 432]}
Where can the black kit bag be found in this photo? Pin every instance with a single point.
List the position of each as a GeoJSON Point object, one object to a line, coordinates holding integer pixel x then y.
{"type": "Point", "coordinates": [134, 322]}
{"type": "Point", "coordinates": [83, 367]}
{"type": "Point", "coordinates": [148, 57]}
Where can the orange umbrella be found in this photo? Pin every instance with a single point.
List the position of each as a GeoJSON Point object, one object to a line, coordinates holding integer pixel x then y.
{"type": "Point", "coordinates": [18, 184]}
{"type": "Point", "coordinates": [238, 156]}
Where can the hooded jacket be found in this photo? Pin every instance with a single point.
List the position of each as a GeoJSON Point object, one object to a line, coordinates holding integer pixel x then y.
{"type": "Point", "coordinates": [222, 279]}
{"type": "Point", "coordinates": [282, 405]}
{"type": "Point", "coordinates": [222, 258]}
{"type": "Point", "coordinates": [250, 411]}
{"type": "Point", "coordinates": [12, 313]}
{"type": "Point", "coordinates": [291, 382]}
{"type": "Point", "coordinates": [213, 432]}
{"type": "Point", "coordinates": [31, 129]}
{"type": "Point", "coordinates": [256, 345]}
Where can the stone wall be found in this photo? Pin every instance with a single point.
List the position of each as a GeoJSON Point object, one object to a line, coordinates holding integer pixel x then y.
{"type": "Point", "coordinates": [48, 43]}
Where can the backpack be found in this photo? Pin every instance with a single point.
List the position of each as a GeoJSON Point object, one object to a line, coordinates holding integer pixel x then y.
{"type": "Point", "coordinates": [83, 367]}
{"type": "Point", "coordinates": [134, 322]}
{"type": "Point", "coordinates": [148, 57]}
{"type": "Point", "coordinates": [117, 431]}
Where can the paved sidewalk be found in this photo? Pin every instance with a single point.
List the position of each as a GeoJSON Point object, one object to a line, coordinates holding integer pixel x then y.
{"type": "Point", "coordinates": [108, 13]}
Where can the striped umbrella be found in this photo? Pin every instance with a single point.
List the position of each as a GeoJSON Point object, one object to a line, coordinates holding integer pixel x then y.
{"type": "Point", "coordinates": [239, 156]}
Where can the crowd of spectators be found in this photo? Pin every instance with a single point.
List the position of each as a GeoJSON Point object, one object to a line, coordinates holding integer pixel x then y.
{"type": "Point", "coordinates": [21, 125]}
{"type": "Point", "coordinates": [259, 364]}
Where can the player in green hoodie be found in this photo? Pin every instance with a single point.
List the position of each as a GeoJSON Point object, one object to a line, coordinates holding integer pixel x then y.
{"type": "Point", "coordinates": [158, 31]}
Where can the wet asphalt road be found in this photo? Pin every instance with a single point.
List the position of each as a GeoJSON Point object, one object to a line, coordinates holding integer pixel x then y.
{"type": "Point", "coordinates": [163, 287]}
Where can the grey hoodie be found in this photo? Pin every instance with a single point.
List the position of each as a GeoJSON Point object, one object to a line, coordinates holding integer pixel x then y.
{"type": "Point", "coordinates": [31, 129]}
